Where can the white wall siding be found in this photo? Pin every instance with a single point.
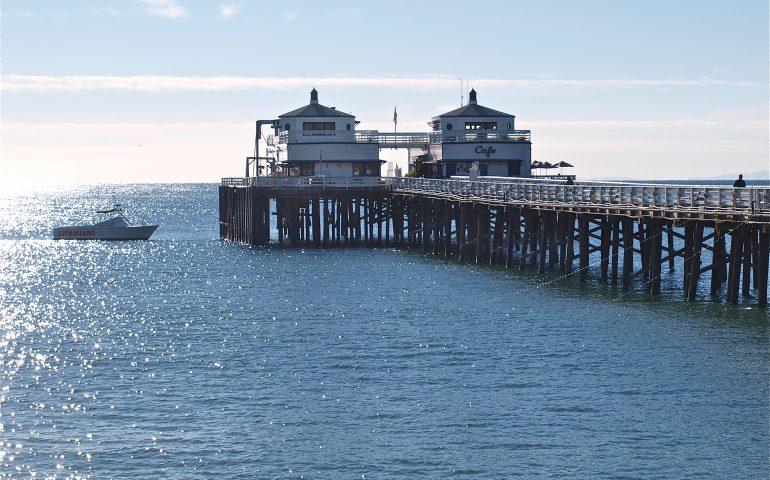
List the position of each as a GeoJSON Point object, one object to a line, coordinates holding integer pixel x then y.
{"type": "Point", "coordinates": [363, 152]}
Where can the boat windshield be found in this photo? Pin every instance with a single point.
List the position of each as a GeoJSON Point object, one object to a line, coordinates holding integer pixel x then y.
{"type": "Point", "coordinates": [115, 208]}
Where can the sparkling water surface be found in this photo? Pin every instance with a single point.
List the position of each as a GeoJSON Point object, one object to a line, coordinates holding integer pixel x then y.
{"type": "Point", "coordinates": [189, 357]}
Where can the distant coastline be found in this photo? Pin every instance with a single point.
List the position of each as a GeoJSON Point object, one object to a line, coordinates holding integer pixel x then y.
{"type": "Point", "coordinates": [761, 177]}
{"type": "Point", "coordinates": [749, 183]}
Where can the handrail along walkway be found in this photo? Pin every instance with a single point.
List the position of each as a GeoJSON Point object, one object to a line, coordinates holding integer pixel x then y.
{"type": "Point", "coordinates": [750, 203]}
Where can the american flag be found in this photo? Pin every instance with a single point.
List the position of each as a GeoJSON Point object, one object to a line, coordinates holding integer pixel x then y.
{"type": "Point", "coordinates": [395, 116]}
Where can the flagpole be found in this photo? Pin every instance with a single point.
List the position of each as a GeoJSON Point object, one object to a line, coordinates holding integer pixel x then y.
{"type": "Point", "coordinates": [395, 126]}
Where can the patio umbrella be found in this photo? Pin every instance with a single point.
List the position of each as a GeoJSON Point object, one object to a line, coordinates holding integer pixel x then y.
{"type": "Point", "coordinates": [563, 164]}
{"type": "Point", "coordinates": [547, 166]}
{"type": "Point", "coordinates": [535, 165]}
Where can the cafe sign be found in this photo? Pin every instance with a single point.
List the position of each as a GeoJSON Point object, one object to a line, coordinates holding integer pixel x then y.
{"type": "Point", "coordinates": [485, 150]}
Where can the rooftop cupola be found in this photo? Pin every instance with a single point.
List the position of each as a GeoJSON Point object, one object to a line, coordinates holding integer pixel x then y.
{"type": "Point", "coordinates": [313, 96]}
{"type": "Point", "coordinates": [472, 97]}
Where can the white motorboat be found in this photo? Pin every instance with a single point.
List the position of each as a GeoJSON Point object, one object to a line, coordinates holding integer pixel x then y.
{"type": "Point", "coordinates": [116, 228]}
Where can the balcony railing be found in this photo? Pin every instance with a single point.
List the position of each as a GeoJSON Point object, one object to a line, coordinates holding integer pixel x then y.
{"type": "Point", "coordinates": [412, 139]}
{"type": "Point", "coordinates": [515, 136]}
{"type": "Point", "coordinates": [319, 181]}
{"type": "Point", "coordinates": [315, 135]}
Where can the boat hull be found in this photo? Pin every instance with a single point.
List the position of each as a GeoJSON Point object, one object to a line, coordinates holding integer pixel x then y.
{"type": "Point", "coordinates": [91, 232]}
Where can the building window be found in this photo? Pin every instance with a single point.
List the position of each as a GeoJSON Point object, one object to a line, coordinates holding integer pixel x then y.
{"type": "Point", "coordinates": [318, 128]}
{"type": "Point", "coordinates": [514, 168]}
{"type": "Point", "coordinates": [366, 169]}
{"type": "Point", "coordinates": [481, 125]}
{"type": "Point", "coordinates": [449, 126]}
{"type": "Point", "coordinates": [483, 169]}
{"type": "Point", "coordinates": [286, 127]}
{"type": "Point", "coordinates": [301, 169]}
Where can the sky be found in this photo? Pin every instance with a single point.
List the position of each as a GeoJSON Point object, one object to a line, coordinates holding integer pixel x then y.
{"type": "Point", "coordinates": [169, 90]}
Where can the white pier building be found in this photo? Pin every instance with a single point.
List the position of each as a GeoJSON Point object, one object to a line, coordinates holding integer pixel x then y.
{"type": "Point", "coordinates": [323, 141]}
{"type": "Point", "coordinates": [477, 134]}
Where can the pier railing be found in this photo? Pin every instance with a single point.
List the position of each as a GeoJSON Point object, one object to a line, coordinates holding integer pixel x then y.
{"type": "Point", "coordinates": [515, 136]}
{"type": "Point", "coordinates": [307, 182]}
{"type": "Point", "coordinates": [673, 198]}
{"type": "Point", "coordinates": [715, 199]}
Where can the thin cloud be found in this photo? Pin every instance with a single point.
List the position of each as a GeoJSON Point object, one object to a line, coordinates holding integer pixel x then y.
{"type": "Point", "coordinates": [120, 127]}
{"type": "Point", "coordinates": [106, 11]}
{"type": "Point", "coordinates": [164, 8]}
{"type": "Point", "coordinates": [229, 10]}
{"type": "Point", "coordinates": [614, 83]}
{"type": "Point", "coordinates": [348, 12]}
{"type": "Point", "coordinates": [16, 13]}
{"type": "Point", "coordinates": [154, 83]}
{"type": "Point", "coordinates": [289, 16]}
{"type": "Point", "coordinates": [660, 124]}
{"type": "Point", "coordinates": [663, 124]}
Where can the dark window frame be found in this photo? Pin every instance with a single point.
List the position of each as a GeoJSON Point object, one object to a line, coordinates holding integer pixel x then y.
{"type": "Point", "coordinates": [481, 125]}
{"type": "Point", "coordinates": [318, 128]}
{"type": "Point", "coordinates": [366, 169]}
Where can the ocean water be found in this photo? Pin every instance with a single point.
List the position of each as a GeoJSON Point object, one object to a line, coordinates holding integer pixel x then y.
{"type": "Point", "coordinates": [189, 357]}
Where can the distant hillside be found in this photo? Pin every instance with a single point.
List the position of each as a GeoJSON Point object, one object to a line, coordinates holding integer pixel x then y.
{"type": "Point", "coordinates": [760, 175]}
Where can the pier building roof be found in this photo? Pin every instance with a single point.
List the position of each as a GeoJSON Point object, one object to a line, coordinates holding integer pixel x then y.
{"type": "Point", "coordinates": [315, 109]}
{"type": "Point", "coordinates": [473, 109]}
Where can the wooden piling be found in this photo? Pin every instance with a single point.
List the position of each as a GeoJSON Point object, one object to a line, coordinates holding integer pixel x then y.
{"type": "Point", "coordinates": [615, 250]}
{"type": "Point", "coordinates": [763, 259]}
{"type": "Point", "coordinates": [656, 249]}
{"type": "Point", "coordinates": [733, 275]}
{"type": "Point", "coordinates": [746, 267]}
{"type": "Point", "coordinates": [628, 252]}
{"type": "Point", "coordinates": [692, 285]}
{"type": "Point", "coordinates": [570, 251]}
{"type": "Point", "coordinates": [585, 244]}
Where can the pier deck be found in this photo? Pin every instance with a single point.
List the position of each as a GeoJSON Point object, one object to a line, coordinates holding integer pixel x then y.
{"type": "Point", "coordinates": [750, 204]}
{"type": "Point", "coordinates": [721, 230]}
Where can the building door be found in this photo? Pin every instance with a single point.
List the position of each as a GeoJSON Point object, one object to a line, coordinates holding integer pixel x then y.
{"type": "Point", "coordinates": [514, 168]}
{"type": "Point", "coordinates": [451, 169]}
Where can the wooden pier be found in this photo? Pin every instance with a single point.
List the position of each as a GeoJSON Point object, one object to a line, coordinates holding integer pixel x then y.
{"type": "Point", "coordinates": [631, 235]}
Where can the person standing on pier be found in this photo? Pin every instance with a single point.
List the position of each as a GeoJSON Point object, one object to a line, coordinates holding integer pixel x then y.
{"type": "Point", "coordinates": [740, 182]}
